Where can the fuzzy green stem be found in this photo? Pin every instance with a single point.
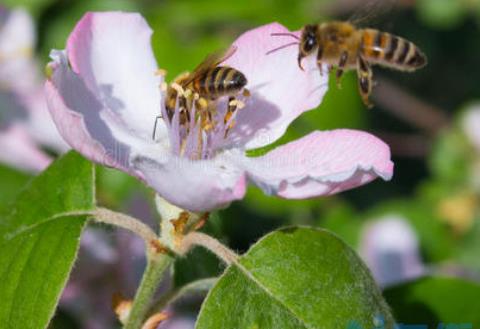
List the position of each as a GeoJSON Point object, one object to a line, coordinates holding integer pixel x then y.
{"type": "Point", "coordinates": [198, 286]}
{"type": "Point", "coordinates": [210, 243]}
{"type": "Point", "coordinates": [157, 264]}
{"type": "Point", "coordinates": [127, 222]}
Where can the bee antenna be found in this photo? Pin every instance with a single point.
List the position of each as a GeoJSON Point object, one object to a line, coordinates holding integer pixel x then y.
{"type": "Point", "coordinates": [285, 35]}
{"type": "Point", "coordinates": [281, 47]}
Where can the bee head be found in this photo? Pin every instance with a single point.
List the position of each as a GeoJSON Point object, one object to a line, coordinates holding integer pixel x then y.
{"type": "Point", "coordinates": [308, 42]}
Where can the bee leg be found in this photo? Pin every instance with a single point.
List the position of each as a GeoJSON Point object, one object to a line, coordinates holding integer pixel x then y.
{"type": "Point", "coordinates": [203, 113]}
{"type": "Point", "coordinates": [319, 59]}
{"type": "Point", "coordinates": [232, 107]}
{"type": "Point", "coordinates": [202, 104]}
{"type": "Point", "coordinates": [184, 113]}
{"type": "Point", "coordinates": [364, 72]}
{"type": "Point", "coordinates": [341, 67]}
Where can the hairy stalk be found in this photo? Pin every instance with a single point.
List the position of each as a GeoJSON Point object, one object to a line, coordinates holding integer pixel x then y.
{"type": "Point", "coordinates": [159, 259]}
{"type": "Point", "coordinates": [157, 264]}
{"type": "Point", "coordinates": [107, 216]}
{"type": "Point", "coordinates": [206, 241]}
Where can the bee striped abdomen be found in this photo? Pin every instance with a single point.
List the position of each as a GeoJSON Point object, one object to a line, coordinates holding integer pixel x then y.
{"type": "Point", "coordinates": [390, 50]}
{"type": "Point", "coordinates": [220, 81]}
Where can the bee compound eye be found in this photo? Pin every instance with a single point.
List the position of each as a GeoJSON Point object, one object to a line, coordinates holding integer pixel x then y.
{"type": "Point", "coordinates": [309, 44]}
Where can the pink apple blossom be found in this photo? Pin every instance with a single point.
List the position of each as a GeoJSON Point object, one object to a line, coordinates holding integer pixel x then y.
{"type": "Point", "coordinates": [104, 95]}
{"type": "Point", "coordinates": [390, 247]}
{"type": "Point", "coordinates": [25, 123]}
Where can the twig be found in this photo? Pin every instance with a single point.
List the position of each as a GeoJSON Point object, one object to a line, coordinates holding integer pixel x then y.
{"type": "Point", "coordinates": [406, 145]}
{"type": "Point", "coordinates": [409, 108]}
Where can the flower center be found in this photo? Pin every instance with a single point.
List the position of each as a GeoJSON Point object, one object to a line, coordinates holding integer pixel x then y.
{"type": "Point", "coordinates": [197, 127]}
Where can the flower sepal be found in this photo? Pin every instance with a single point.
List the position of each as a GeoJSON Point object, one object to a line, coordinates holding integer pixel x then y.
{"type": "Point", "coordinates": [175, 223]}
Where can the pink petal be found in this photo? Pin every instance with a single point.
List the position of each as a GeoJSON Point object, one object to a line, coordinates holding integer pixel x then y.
{"type": "Point", "coordinates": [193, 185]}
{"type": "Point", "coordinates": [321, 163]}
{"type": "Point", "coordinates": [20, 151]}
{"type": "Point", "coordinates": [83, 121]}
{"type": "Point", "coordinates": [90, 128]}
{"type": "Point", "coordinates": [111, 52]}
{"type": "Point", "coordinates": [280, 90]}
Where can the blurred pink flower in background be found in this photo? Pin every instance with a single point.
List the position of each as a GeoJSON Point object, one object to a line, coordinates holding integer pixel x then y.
{"type": "Point", "coordinates": [25, 124]}
{"type": "Point", "coordinates": [471, 125]}
{"type": "Point", "coordinates": [109, 262]}
{"type": "Point", "coordinates": [390, 248]}
{"type": "Point", "coordinates": [104, 96]}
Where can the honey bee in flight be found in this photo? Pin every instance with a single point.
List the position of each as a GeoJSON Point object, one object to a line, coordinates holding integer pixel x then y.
{"type": "Point", "coordinates": [207, 83]}
{"type": "Point", "coordinates": [342, 45]}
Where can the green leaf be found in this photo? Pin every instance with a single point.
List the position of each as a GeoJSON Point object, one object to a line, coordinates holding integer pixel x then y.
{"type": "Point", "coordinates": [431, 301]}
{"type": "Point", "coordinates": [199, 264]}
{"type": "Point", "coordinates": [12, 182]}
{"type": "Point", "coordinates": [296, 278]}
{"type": "Point", "coordinates": [39, 239]}
{"type": "Point", "coordinates": [468, 248]}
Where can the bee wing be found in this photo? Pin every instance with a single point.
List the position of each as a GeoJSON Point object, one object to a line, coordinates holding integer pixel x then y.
{"type": "Point", "coordinates": [370, 12]}
{"type": "Point", "coordinates": [211, 61]}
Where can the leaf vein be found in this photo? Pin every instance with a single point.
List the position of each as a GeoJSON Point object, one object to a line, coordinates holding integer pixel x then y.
{"type": "Point", "coordinates": [250, 276]}
{"type": "Point", "coordinates": [20, 231]}
{"type": "Point", "coordinates": [19, 281]}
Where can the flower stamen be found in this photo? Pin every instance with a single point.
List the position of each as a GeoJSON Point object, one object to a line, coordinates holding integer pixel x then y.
{"type": "Point", "coordinates": [161, 72]}
{"type": "Point", "coordinates": [198, 125]}
{"type": "Point", "coordinates": [179, 89]}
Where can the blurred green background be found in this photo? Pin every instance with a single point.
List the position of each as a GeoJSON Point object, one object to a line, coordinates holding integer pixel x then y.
{"type": "Point", "coordinates": [417, 114]}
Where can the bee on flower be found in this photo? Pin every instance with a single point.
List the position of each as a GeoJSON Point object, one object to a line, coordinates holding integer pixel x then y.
{"type": "Point", "coordinates": [104, 95]}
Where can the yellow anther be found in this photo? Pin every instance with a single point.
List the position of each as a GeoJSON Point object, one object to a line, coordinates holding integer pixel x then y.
{"type": "Point", "coordinates": [238, 104]}
{"type": "Point", "coordinates": [202, 103]}
{"type": "Point", "coordinates": [178, 88]}
{"type": "Point", "coordinates": [161, 72]}
{"type": "Point", "coordinates": [163, 86]}
{"type": "Point", "coordinates": [187, 93]}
